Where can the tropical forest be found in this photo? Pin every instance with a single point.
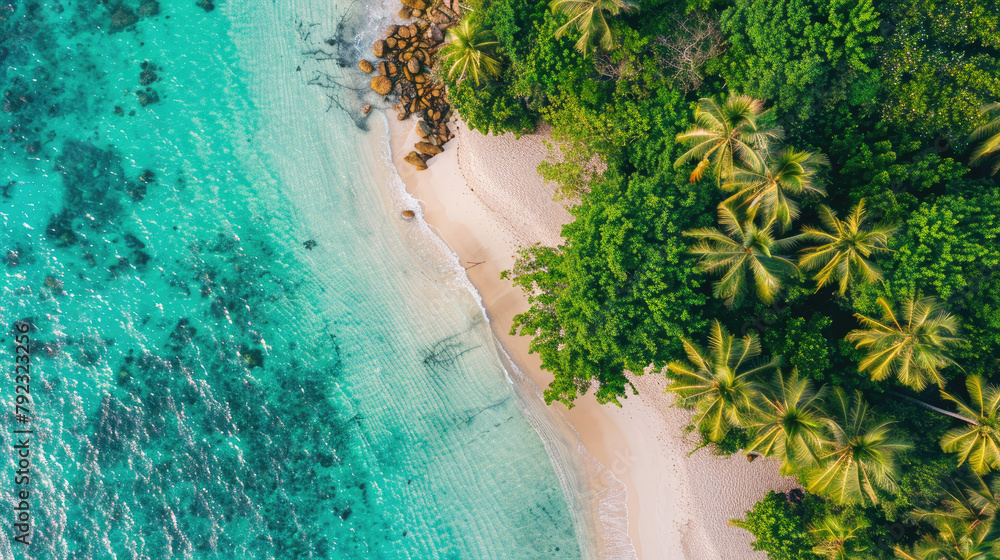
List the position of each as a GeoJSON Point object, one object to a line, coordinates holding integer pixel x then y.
{"type": "Point", "coordinates": [791, 209]}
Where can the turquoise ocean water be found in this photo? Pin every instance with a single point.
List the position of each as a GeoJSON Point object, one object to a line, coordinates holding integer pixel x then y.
{"type": "Point", "coordinates": [238, 350]}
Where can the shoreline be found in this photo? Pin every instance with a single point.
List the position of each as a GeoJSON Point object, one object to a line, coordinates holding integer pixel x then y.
{"type": "Point", "coordinates": [484, 199]}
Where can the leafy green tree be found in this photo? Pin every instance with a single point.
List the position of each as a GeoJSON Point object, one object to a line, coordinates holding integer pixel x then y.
{"type": "Point", "coordinates": [845, 247]}
{"type": "Point", "coordinates": [718, 380]}
{"type": "Point", "coordinates": [491, 108]}
{"type": "Point", "coordinates": [979, 441]}
{"type": "Point", "coordinates": [790, 424]}
{"type": "Point", "coordinates": [768, 186]}
{"type": "Point", "coordinates": [726, 132]}
{"type": "Point", "coordinates": [803, 345]}
{"type": "Point", "coordinates": [618, 294]}
{"type": "Point", "coordinates": [779, 528]}
{"type": "Point", "coordinates": [838, 537]}
{"type": "Point", "coordinates": [801, 54]}
{"type": "Point", "coordinates": [912, 346]}
{"type": "Point", "coordinates": [987, 137]}
{"type": "Point", "coordinates": [946, 243]}
{"type": "Point", "coordinates": [938, 65]}
{"type": "Point", "coordinates": [742, 250]}
{"type": "Point", "coordinates": [590, 19]}
{"type": "Point", "coordinates": [891, 172]}
{"type": "Point", "coordinates": [470, 52]}
{"type": "Point", "coordinates": [859, 461]}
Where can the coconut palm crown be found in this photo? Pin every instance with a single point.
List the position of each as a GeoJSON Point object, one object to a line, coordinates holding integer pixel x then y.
{"type": "Point", "coordinates": [718, 380]}
{"type": "Point", "coordinates": [952, 540]}
{"type": "Point", "coordinates": [470, 52]}
{"type": "Point", "coordinates": [973, 505]}
{"type": "Point", "coordinates": [838, 537]}
{"type": "Point", "coordinates": [790, 424]}
{"type": "Point", "coordinates": [976, 443]}
{"type": "Point", "coordinates": [590, 19]}
{"type": "Point", "coordinates": [988, 138]}
{"type": "Point", "coordinates": [912, 345]}
{"type": "Point", "coordinates": [743, 250]}
{"type": "Point", "coordinates": [726, 132]}
{"type": "Point", "coordinates": [845, 249]}
{"type": "Point", "coordinates": [766, 187]}
{"type": "Point", "coordinates": [860, 458]}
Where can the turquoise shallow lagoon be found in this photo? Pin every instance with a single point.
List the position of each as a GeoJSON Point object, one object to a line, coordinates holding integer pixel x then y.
{"type": "Point", "coordinates": [238, 350]}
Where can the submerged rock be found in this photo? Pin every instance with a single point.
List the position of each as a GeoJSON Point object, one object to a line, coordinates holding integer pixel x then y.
{"type": "Point", "coordinates": [147, 97]}
{"type": "Point", "coordinates": [408, 214]}
{"type": "Point", "coordinates": [54, 284]}
{"type": "Point", "coordinates": [135, 191]}
{"type": "Point", "coordinates": [60, 229]}
{"type": "Point", "coordinates": [148, 74]}
{"type": "Point", "coordinates": [252, 357]}
{"type": "Point", "coordinates": [133, 242]}
{"type": "Point", "coordinates": [149, 8]}
{"type": "Point", "coordinates": [122, 17]}
{"type": "Point", "coordinates": [366, 66]}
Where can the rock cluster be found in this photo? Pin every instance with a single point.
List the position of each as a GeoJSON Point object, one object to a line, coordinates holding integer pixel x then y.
{"type": "Point", "coordinates": [406, 56]}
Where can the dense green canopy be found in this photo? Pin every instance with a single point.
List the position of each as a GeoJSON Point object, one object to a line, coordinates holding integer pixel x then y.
{"type": "Point", "coordinates": [854, 141]}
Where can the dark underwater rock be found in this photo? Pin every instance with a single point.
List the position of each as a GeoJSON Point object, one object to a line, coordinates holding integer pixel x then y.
{"type": "Point", "coordinates": [147, 97]}
{"type": "Point", "coordinates": [135, 191]}
{"type": "Point", "coordinates": [54, 284]}
{"type": "Point", "coordinates": [60, 229]}
{"type": "Point", "coordinates": [252, 357]}
{"type": "Point", "coordinates": [93, 179]}
{"type": "Point", "coordinates": [147, 77]}
{"type": "Point", "coordinates": [149, 8]}
{"type": "Point", "coordinates": [122, 17]}
{"type": "Point", "coordinates": [133, 242]}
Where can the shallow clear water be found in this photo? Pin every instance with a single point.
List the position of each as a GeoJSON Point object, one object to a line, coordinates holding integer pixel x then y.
{"type": "Point", "coordinates": [237, 349]}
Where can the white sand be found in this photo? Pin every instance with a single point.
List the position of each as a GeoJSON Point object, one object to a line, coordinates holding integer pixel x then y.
{"type": "Point", "coordinates": [485, 198]}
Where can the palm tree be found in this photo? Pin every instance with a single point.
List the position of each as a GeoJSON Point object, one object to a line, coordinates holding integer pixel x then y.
{"type": "Point", "coordinates": [469, 52]}
{"type": "Point", "coordinates": [978, 442]}
{"type": "Point", "coordinates": [845, 248]}
{"type": "Point", "coordinates": [726, 132]}
{"type": "Point", "coordinates": [589, 17]}
{"type": "Point", "coordinates": [742, 250]}
{"type": "Point", "coordinates": [953, 541]}
{"type": "Point", "coordinates": [860, 458]}
{"type": "Point", "coordinates": [768, 185]}
{"type": "Point", "coordinates": [974, 506]}
{"type": "Point", "coordinates": [790, 424]}
{"type": "Point", "coordinates": [914, 350]}
{"type": "Point", "coordinates": [718, 381]}
{"type": "Point", "coordinates": [988, 137]}
{"type": "Point", "coordinates": [837, 537]}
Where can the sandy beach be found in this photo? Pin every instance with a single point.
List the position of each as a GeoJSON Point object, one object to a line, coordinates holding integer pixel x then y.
{"type": "Point", "coordinates": [485, 199]}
